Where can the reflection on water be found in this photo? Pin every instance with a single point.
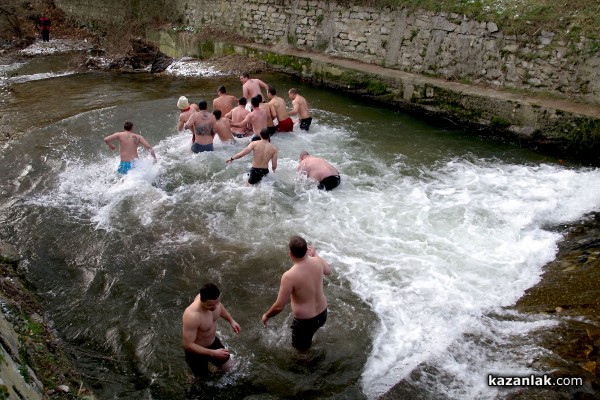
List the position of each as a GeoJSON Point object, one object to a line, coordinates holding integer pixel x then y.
{"type": "Point", "coordinates": [430, 234]}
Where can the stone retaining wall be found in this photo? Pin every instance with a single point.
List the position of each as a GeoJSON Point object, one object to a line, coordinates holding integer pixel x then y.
{"type": "Point", "coordinates": [439, 44]}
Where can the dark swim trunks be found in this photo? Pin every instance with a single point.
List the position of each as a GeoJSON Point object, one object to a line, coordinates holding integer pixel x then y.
{"type": "Point", "coordinates": [330, 182]}
{"type": "Point", "coordinates": [199, 363]}
{"type": "Point", "coordinates": [199, 148]}
{"type": "Point", "coordinates": [271, 130]}
{"type": "Point", "coordinates": [303, 330]}
{"type": "Point", "coordinates": [287, 125]}
{"type": "Point", "coordinates": [256, 174]}
{"type": "Point", "coordinates": [305, 123]}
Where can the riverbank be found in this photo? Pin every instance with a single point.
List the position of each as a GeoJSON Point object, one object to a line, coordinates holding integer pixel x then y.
{"type": "Point", "coordinates": [33, 362]}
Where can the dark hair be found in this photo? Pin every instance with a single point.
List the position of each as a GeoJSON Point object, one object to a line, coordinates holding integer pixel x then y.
{"type": "Point", "coordinates": [245, 75]}
{"type": "Point", "coordinates": [259, 97]}
{"type": "Point", "coordinates": [128, 125]}
{"type": "Point", "coordinates": [298, 246]}
{"type": "Point", "coordinates": [217, 114]}
{"type": "Point", "coordinates": [272, 90]}
{"type": "Point", "coordinates": [242, 101]}
{"type": "Point", "coordinates": [202, 105]}
{"type": "Point", "coordinates": [293, 91]}
{"type": "Point", "coordinates": [221, 89]}
{"type": "Point", "coordinates": [264, 133]}
{"type": "Point", "coordinates": [209, 291]}
{"type": "Point", "coordinates": [255, 101]}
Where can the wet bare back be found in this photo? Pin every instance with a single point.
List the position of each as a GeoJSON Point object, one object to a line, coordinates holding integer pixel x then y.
{"type": "Point", "coordinates": [263, 152]}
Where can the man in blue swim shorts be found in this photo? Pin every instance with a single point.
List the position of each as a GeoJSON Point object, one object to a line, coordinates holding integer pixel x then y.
{"type": "Point", "coordinates": [202, 124]}
{"type": "Point", "coordinates": [302, 284]}
{"type": "Point", "coordinates": [128, 145]}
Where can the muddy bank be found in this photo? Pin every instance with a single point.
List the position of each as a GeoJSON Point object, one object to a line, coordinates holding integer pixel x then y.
{"type": "Point", "coordinates": [33, 362]}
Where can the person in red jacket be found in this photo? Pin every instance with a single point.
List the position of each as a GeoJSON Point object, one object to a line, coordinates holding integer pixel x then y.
{"type": "Point", "coordinates": [44, 25]}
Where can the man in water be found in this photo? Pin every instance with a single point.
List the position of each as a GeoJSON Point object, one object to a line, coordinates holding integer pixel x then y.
{"type": "Point", "coordinates": [186, 111]}
{"type": "Point", "coordinates": [202, 124]}
{"type": "Point", "coordinates": [251, 86]}
{"type": "Point", "coordinates": [128, 144]}
{"type": "Point", "coordinates": [200, 342]}
{"type": "Point", "coordinates": [237, 115]}
{"type": "Point", "coordinates": [263, 152]}
{"type": "Point", "coordinates": [223, 128]}
{"type": "Point", "coordinates": [258, 119]}
{"type": "Point", "coordinates": [279, 111]}
{"type": "Point", "coordinates": [303, 285]}
{"type": "Point", "coordinates": [266, 107]}
{"type": "Point", "coordinates": [300, 108]}
{"type": "Point", "coordinates": [317, 168]}
{"type": "Point", "coordinates": [224, 102]}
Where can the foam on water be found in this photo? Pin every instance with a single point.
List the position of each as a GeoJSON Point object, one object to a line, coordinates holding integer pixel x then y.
{"type": "Point", "coordinates": [435, 251]}
{"type": "Point", "coordinates": [36, 77]}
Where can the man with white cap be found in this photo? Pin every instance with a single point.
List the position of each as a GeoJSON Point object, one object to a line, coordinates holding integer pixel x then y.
{"type": "Point", "coordinates": [187, 110]}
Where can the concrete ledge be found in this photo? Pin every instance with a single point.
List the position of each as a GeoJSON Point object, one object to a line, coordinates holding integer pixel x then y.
{"type": "Point", "coordinates": [561, 128]}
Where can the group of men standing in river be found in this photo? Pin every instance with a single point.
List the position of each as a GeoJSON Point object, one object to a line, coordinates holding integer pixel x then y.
{"type": "Point", "coordinates": [229, 121]}
{"type": "Point", "coordinates": [302, 284]}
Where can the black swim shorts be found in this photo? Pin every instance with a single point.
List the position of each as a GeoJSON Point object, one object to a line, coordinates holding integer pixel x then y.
{"type": "Point", "coordinates": [330, 182]}
{"type": "Point", "coordinates": [305, 123]}
{"type": "Point", "coordinates": [256, 174]}
{"type": "Point", "coordinates": [199, 363]}
{"type": "Point", "coordinates": [303, 330]}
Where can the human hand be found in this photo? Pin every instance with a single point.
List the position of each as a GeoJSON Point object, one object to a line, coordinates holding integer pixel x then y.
{"type": "Point", "coordinates": [221, 354]}
{"type": "Point", "coordinates": [264, 319]}
{"type": "Point", "coordinates": [235, 326]}
{"type": "Point", "coordinates": [311, 251]}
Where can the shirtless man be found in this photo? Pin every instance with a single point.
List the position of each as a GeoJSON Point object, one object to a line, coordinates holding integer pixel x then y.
{"type": "Point", "coordinates": [237, 115]}
{"type": "Point", "coordinates": [258, 119]}
{"type": "Point", "coordinates": [202, 124]}
{"type": "Point", "coordinates": [303, 284]}
{"type": "Point", "coordinates": [223, 128]}
{"type": "Point", "coordinates": [128, 145]}
{"type": "Point", "coordinates": [263, 151]}
{"type": "Point", "coordinates": [251, 87]}
{"type": "Point", "coordinates": [317, 168]}
{"type": "Point", "coordinates": [266, 107]}
{"type": "Point", "coordinates": [224, 102]}
{"type": "Point", "coordinates": [300, 108]}
{"type": "Point", "coordinates": [187, 110]}
{"type": "Point", "coordinates": [279, 111]}
{"type": "Point", "coordinates": [200, 342]}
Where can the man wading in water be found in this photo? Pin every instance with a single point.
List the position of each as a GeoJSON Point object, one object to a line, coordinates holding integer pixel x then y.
{"type": "Point", "coordinates": [200, 342]}
{"type": "Point", "coordinates": [303, 284]}
{"type": "Point", "coordinates": [128, 144]}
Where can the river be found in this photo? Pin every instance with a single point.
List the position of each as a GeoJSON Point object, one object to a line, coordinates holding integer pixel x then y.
{"type": "Point", "coordinates": [431, 234]}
